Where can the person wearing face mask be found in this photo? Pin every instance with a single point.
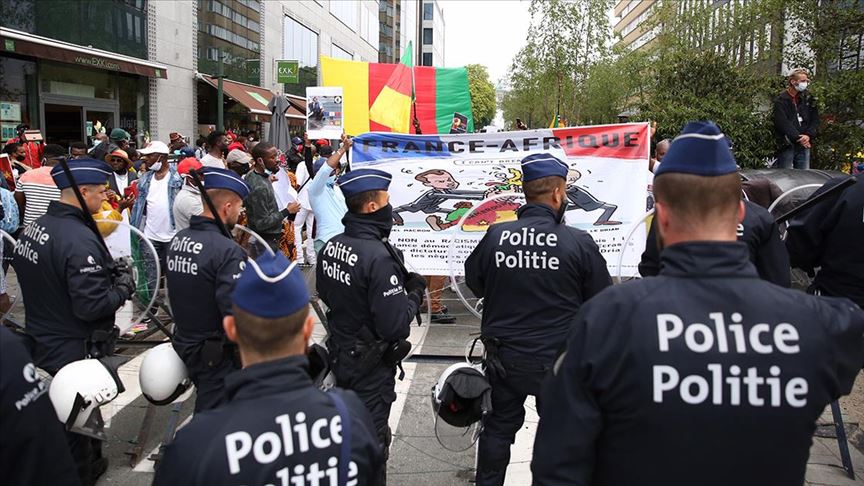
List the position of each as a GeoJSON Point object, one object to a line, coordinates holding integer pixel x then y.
{"type": "Point", "coordinates": [203, 266]}
{"type": "Point", "coordinates": [795, 122]}
{"type": "Point", "coordinates": [533, 274]}
{"type": "Point", "coordinates": [153, 212]}
{"type": "Point", "coordinates": [265, 217]}
{"type": "Point", "coordinates": [217, 149]}
{"type": "Point", "coordinates": [372, 300]}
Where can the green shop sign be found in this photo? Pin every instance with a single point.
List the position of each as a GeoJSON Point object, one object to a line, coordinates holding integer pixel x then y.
{"type": "Point", "coordinates": [287, 71]}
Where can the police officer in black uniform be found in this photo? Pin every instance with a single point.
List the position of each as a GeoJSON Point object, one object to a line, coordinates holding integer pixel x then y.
{"type": "Point", "coordinates": [277, 427]}
{"type": "Point", "coordinates": [719, 378]}
{"type": "Point", "coordinates": [533, 274]}
{"type": "Point", "coordinates": [33, 450]}
{"type": "Point", "coordinates": [372, 301]}
{"type": "Point", "coordinates": [830, 235]}
{"type": "Point", "coordinates": [758, 231]}
{"type": "Point", "coordinates": [203, 265]}
{"type": "Point", "coordinates": [72, 287]}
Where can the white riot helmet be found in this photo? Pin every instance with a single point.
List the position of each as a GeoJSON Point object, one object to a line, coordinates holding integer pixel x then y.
{"type": "Point", "coordinates": [79, 389]}
{"type": "Point", "coordinates": [460, 399]}
{"type": "Point", "coordinates": [163, 376]}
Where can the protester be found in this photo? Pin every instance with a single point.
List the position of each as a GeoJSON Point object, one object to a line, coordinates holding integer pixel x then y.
{"type": "Point", "coordinates": [188, 202]}
{"type": "Point", "coordinates": [17, 153]}
{"type": "Point", "coordinates": [176, 141]}
{"type": "Point", "coordinates": [795, 122]}
{"type": "Point", "coordinates": [36, 188]}
{"type": "Point", "coordinates": [305, 219]}
{"type": "Point", "coordinates": [119, 138]}
{"type": "Point", "coordinates": [32, 150]}
{"type": "Point", "coordinates": [265, 218]}
{"type": "Point", "coordinates": [239, 161]}
{"type": "Point", "coordinates": [336, 441]}
{"type": "Point", "coordinates": [77, 150]}
{"type": "Point", "coordinates": [121, 179]}
{"type": "Point", "coordinates": [325, 197]}
{"type": "Point", "coordinates": [829, 237]}
{"type": "Point", "coordinates": [706, 348]}
{"type": "Point", "coordinates": [153, 212]}
{"type": "Point", "coordinates": [217, 148]}
{"type": "Point", "coordinates": [372, 301]}
{"type": "Point", "coordinates": [659, 152]}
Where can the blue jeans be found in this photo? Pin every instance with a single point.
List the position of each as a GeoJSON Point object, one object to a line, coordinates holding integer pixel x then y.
{"type": "Point", "coordinates": [795, 156]}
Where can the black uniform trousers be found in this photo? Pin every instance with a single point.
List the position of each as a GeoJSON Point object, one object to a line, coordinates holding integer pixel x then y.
{"type": "Point", "coordinates": [210, 384]}
{"type": "Point", "coordinates": [525, 376]}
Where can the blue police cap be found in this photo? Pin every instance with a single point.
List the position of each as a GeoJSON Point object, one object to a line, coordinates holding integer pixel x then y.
{"type": "Point", "coordinates": [216, 178]}
{"type": "Point", "coordinates": [84, 171]}
{"type": "Point", "coordinates": [271, 287]}
{"type": "Point", "coordinates": [701, 149]}
{"type": "Point", "coordinates": [364, 180]}
{"type": "Point", "coordinates": [537, 166]}
{"type": "Point", "coordinates": [186, 152]}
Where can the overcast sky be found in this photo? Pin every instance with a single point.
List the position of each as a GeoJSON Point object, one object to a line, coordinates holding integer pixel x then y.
{"type": "Point", "coordinates": [486, 32]}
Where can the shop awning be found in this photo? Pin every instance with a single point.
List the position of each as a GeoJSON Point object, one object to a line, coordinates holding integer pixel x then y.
{"type": "Point", "coordinates": [255, 98]}
{"type": "Point", "coordinates": [15, 41]}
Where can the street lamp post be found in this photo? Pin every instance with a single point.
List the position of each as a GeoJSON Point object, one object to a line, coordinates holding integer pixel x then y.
{"type": "Point", "coordinates": [220, 103]}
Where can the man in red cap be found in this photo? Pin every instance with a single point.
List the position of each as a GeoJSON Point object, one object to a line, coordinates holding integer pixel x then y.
{"type": "Point", "coordinates": [188, 202]}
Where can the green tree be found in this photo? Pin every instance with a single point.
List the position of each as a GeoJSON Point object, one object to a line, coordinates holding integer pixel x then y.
{"type": "Point", "coordinates": [483, 102]}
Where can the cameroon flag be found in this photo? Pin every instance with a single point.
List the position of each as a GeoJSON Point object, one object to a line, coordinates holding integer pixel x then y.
{"type": "Point", "coordinates": [438, 93]}
{"type": "Point", "coordinates": [392, 107]}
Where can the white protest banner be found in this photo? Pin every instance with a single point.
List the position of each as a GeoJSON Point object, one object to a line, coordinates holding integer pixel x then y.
{"type": "Point", "coordinates": [439, 180]}
{"type": "Point", "coordinates": [324, 114]}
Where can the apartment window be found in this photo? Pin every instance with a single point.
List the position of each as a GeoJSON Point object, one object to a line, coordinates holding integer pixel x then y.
{"type": "Point", "coordinates": [427, 58]}
{"type": "Point", "coordinates": [340, 53]}
{"type": "Point", "coordinates": [427, 36]}
{"type": "Point", "coordinates": [428, 11]}
{"type": "Point", "coordinates": [301, 43]}
{"type": "Point", "coordinates": [346, 12]}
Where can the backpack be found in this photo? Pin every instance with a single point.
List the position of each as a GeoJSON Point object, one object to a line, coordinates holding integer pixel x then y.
{"type": "Point", "coordinates": [9, 221]}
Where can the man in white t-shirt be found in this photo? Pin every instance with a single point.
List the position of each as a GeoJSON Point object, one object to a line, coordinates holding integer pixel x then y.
{"type": "Point", "coordinates": [217, 146]}
{"type": "Point", "coordinates": [153, 210]}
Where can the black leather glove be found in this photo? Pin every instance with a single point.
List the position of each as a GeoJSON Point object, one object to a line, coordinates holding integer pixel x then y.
{"type": "Point", "coordinates": [121, 274]}
{"type": "Point", "coordinates": [415, 283]}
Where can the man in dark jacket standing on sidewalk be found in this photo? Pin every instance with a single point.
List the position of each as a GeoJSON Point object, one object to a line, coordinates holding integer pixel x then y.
{"type": "Point", "coordinates": [265, 217]}
{"type": "Point", "coordinates": [795, 122]}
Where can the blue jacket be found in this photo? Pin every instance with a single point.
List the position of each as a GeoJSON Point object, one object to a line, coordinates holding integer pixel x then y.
{"type": "Point", "coordinates": [704, 364]}
{"type": "Point", "coordinates": [139, 210]}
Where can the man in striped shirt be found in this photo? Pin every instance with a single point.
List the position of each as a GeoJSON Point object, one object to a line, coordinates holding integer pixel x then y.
{"type": "Point", "coordinates": [36, 188]}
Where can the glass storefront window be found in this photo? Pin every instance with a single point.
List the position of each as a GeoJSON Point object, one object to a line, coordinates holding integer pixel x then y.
{"type": "Point", "coordinates": [301, 43]}
{"type": "Point", "coordinates": [61, 79]}
{"type": "Point", "coordinates": [17, 95]}
{"type": "Point", "coordinates": [134, 104]}
{"type": "Point", "coordinates": [113, 25]}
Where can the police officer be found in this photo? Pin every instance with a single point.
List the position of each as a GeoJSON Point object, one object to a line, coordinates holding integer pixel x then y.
{"type": "Point", "coordinates": [277, 427]}
{"type": "Point", "coordinates": [203, 266]}
{"type": "Point", "coordinates": [71, 286]}
{"type": "Point", "coordinates": [533, 275]}
{"type": "Point", "coordinates": [33, 450]}
{"type": "Point", "coordinates": [758, 231]}
{"type": "Point", "coordinates": [721, 368]}
{"type": "Point", "coordinates": [830, 235]}
{"type": "Point", "coordinates": [372, 301]}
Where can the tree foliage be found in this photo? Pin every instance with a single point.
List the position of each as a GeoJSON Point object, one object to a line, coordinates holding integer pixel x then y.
{"type": "Point", "coordinates": [483, 101]}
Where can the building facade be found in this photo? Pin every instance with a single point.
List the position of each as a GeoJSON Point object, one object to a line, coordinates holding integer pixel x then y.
{"type": "Point", "coordinates": [72, 69]}
{"type": "Point", "coordinates": [397, 29]}
{"type": "Point", "coordinates": [431, 34]}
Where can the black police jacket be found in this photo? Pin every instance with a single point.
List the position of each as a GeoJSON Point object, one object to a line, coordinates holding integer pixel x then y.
{"type": "Point", "coordinates": [534, 274]}
{"type": "Point", "coordinates": [276, 426]}
{"type": "Point", "coordinates": [363, 285]}
{"type": "Point", "coordinates": [830, 235]}
{"type": "Point", "coordinates": [704, 365]}
{"type": "Point", "coordinates": [203, 266]}
{"type": "Point", "coordinates": [758, 231]}
{"type": "Point", "coordinates": [64, 274]}
{"type": "Point", "coordinates": [33, 448]}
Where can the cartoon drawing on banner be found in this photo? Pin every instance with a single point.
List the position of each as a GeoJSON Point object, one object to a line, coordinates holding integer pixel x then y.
{"type": "Point", "coordinates": [442, 185]}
